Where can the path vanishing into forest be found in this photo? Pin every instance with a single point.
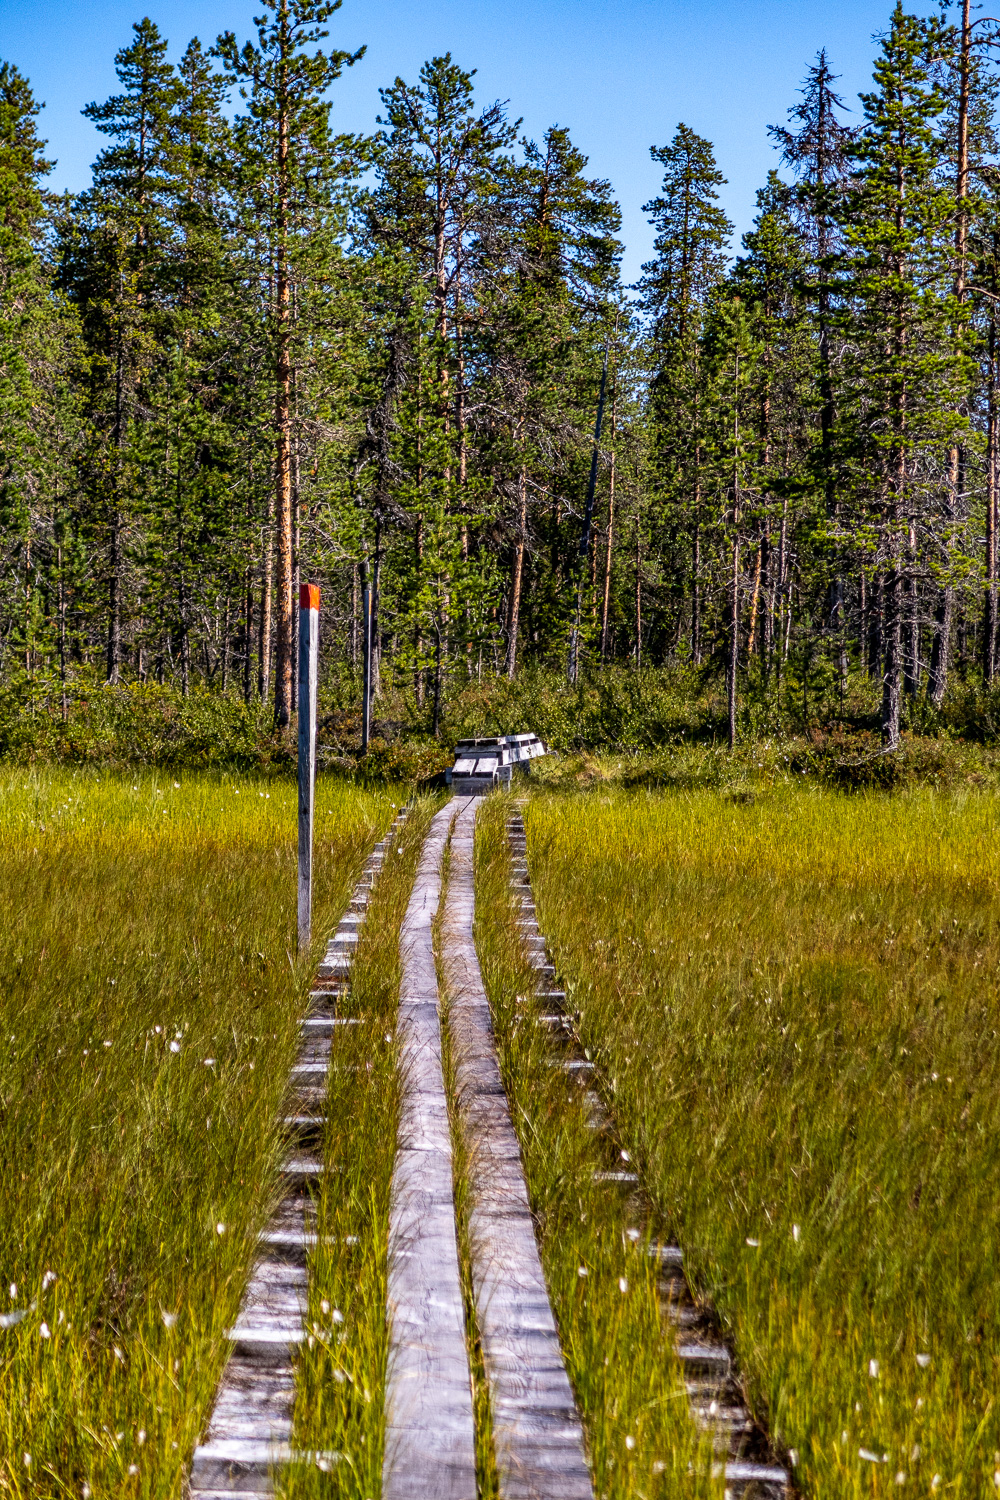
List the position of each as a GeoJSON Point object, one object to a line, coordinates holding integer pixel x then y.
{"type": "Point", "coordinates": [455, 1122]}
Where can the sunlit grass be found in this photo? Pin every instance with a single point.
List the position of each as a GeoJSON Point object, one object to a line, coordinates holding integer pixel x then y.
{"type": "Point", "coordinates": [149, 1000]}
{"type": "Point", "coordinates": [795, 1003]}
{"type": "Point", "coordinates": [603, 1285]}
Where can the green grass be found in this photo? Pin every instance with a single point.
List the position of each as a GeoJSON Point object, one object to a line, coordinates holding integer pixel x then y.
{"type": "Point", "coordinates": [340, 1402]}
{"type": "Point", "coordinates": [618, 1351]}
{"type": "Point", "coordinates": [795, 1006]}
{"type": "Point", "coordinates": [149, 999]}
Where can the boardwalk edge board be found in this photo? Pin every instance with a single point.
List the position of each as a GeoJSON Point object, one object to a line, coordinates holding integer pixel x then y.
{"type": "Point", "coordinates": [249, 1434]}
{"type": "Point", "coordinates": [746, 1460]}
{"type": "Point", "coordinates": [537, 1435]}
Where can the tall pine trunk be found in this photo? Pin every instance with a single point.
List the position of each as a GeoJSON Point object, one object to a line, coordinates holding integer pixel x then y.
{"type": "Point", "coordinates": [283, 437]}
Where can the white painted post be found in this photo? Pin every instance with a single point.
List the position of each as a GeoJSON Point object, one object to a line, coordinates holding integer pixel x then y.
{"type": "Point", "coordinates": [366, 681]}
{"type": "Point", "coordinates": [308, 669]}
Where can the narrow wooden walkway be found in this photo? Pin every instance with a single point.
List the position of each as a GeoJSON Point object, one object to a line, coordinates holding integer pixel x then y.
{"type": "Point", "coordinates": [430, 1441]}
{"type": "Point", "coordinates": [251, 1426]}
{"type": "Point", "coordinates": [537, 1435]}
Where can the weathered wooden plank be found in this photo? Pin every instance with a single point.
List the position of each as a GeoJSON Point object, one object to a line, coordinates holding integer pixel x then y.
{"type": "Point", "coordinates": [536, 1430]}
{"type": "Point", "coordinates": [429, 1451]}
{"type": "Point", "coordinates": [251, 1425]}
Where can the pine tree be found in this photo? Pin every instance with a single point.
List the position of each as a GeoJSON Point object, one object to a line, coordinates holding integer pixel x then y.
{"type": "Point", "coordinates": [291, 163]}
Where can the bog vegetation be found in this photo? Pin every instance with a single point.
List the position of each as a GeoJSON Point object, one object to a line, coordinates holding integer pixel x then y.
{"type": "Point", "coordinates": [792, 1006]}
{"type": "Point", "coordinates": [254, 348]}
{"type": "Point", "coordinates": [150, 1001]}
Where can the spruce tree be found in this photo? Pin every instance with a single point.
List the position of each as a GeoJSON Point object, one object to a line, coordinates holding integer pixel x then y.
{"type": "Point", "coordinates": [691, 235]}
{"type": "Point", "coordinates": [903, 371]}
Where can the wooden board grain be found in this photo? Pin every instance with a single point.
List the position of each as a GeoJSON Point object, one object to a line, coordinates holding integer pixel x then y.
{"type": "Point", "coordinates": [536, 1430]}
{"type": "Point", "coordinates": [430, 1448]}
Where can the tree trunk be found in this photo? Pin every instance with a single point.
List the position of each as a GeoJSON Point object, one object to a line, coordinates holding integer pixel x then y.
{"type": "Point", "coordinates": [296, 544]}
{"type": "Point", "coordinates": [892, 647]}
{"type": "Point", "coordinates": [734, 634]}
{"type": "Point", "coordinates": [755, 600]}
{"type": "Point", "coordinates": [266, 605]}
{"type": "Point", "coordinates": [990, 597]}
{"type": "Point", "coordinates": [638, 594]}
{"type": "Point", "coordinates": [283, 435]}
{"type": "Point", "coordinates": [609, 542]}
{"type": "Point", "coordinates": [517, 573]}
{"type": "Point", "coordinates": [114, 600]}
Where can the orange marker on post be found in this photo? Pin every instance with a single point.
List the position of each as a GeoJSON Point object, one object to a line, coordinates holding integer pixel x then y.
{"type": "Point", "coordinates": [308, 676]}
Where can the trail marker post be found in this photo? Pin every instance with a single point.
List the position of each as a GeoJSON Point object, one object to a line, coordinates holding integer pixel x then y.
{"type": "Point", "coordinates": [308, 674]}
{"type": "Point", "coordinates": [366, 680]}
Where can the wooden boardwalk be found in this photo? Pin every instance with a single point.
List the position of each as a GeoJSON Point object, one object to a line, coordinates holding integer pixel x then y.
{"type": "Point", "coordinates": [250, 1431]}
{"type": "Point", "coordinates": [537, 1435]}
{"type": "Point", "coordinates": [430, 1441]}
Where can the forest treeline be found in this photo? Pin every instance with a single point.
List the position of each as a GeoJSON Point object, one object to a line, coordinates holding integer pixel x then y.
{"type": "Point", "coordinates": [255, 349]}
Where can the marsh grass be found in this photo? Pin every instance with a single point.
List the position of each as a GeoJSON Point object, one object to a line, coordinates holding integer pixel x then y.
{"type": "Point", "coordinates": [340, 1399]}
{"type": "Point", "coordinates": [795, 1003]}
{"type": "Point", "coordinates": [619, 1353]}
{"type": "Point", "coordinates": [149, 1001]}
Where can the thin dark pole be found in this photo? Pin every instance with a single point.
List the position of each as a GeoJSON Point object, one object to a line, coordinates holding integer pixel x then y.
{"type": "Point", "coordinates": [366, 679]}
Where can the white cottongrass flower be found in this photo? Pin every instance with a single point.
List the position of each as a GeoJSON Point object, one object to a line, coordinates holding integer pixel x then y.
{"type": "Point", "coordinates": [796, 1233]}
{"type": "Point", "coordinates": [177, 786]}
{"type": "Point", "coordinates": [923, 1360]}
{"type": "Point", "coordinates": [48, 1279]}
{"type": "Point", "coordinates": [625, 1156]}
{"type": "Point", "coordinates": [622, 1285]}
{"type": "Point", "coordinates": [133, 1468]}
{"type": "Point", "coordinates": [13, 1290]}
{"type": "Point", "coordinates": [935, 1481]}
{"type": "Point", "coordinates": [873, 1368]}
{"type": "Point", "coordinates": [996, 1478]}
{"type": "Point", "coordinates": [630, 1441]}
{"type": "Point", "coordinates": [45, 1331]}
{"type": "Point", "coordinates": [900, 1477]}
{"type": "Point", "coordinates": [870, 1457]}
{"type": "Point", "coordinates": [338, 1316]}
{"type": "Point", "coordinates": [27, 1460]}
{"type": "Point", "coordinates": [793, 1454]}
{"type": "Point", "coordinates": [324, 1307]}
{"type": "Point", "coordinates": [119, 1356]}
{"type": "Point", "coordinates": [581, 1271]}
{"type": "Point", "coordinates": [220, 1228]}
{"type": "Point", "coordinates": [175, 1046]}
{"type": "Point", "coordinates": [140, 1436]}
{"type": "Point", "coordinates": [754, 1244]}
{"type": "Point", "coordinates": [85, 1492]}
{"type": "Point", "coordinates": [633, 1235]}
{"type": "Point", "coordinates": [169, 1318]}
{"type": "Point", "coordinates": [208, 1062]}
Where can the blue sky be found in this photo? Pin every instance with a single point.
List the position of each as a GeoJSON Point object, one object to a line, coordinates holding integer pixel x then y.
{"type": "Point", "coordinates": [620, 74]}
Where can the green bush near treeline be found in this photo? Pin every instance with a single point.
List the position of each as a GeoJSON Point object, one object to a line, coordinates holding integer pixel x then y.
{"type": "Point", "coordinates": [657, 727]}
